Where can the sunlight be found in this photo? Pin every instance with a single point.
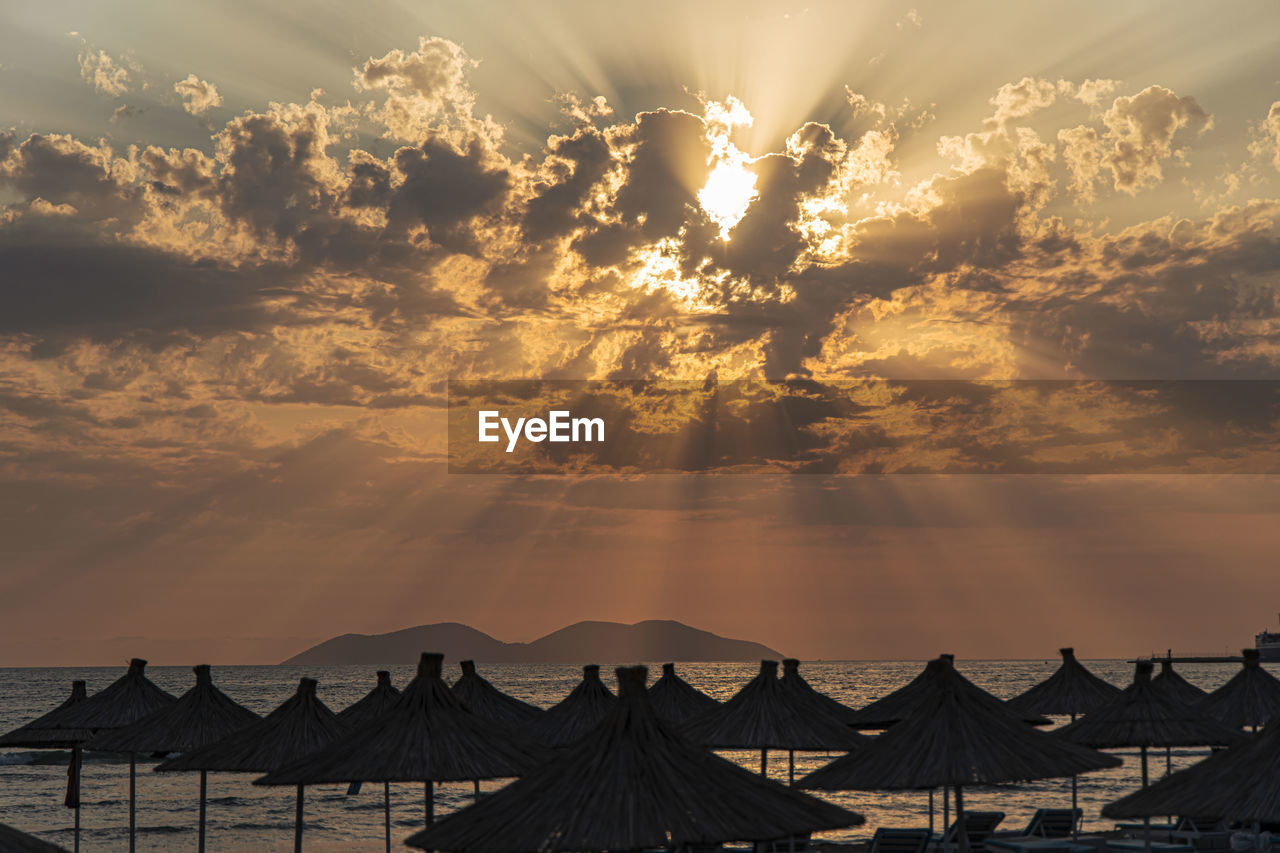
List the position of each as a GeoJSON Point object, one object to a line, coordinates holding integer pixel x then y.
{"type": "Point", "coordinates": [731, 186]}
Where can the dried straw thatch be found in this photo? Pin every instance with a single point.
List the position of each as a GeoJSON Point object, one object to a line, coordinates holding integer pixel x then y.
{"type": "Point", "coordinates": [298, 727]}
{"type": "Point", "coordinates": [16, 841]}
{"type": "Point", "coordinates": [1235, 784]}
{"type": "Point", "coordinates": [675, 700]}
{"type": "Point", "coordinates": [1072, 690]}
{"type": "Point", "coordinates": [43, 732]}
{"type": "Point", "coordinates": [1174, 685]}
{"type": "Point", "coordinates": [201, 716]}
{"type": "Point", "coordinates": [1143, 716]}
{"type": "Point", "coordinates": [898, 705]}
{"type": "Point", "coordinates": [1250, 698]}
{"type": "Point", "coordinates": [956, 738]}
{"type": "Point", "coordinates": [633, 783]}
{"type": "Point", "coordinates": [578, 713]}
{"type": "Point", "coordinates": [766, 715]}
{"type": "Point", "coordinates": [127, 699]}
{"type": "Point", "coordinates": [374, 704]}
{"type": "Point", "coordinates": [793, 681]}
{"type": "Point", "coordinates": [427, 736]}
{"type": "Point", "coordinates": [489, 703]}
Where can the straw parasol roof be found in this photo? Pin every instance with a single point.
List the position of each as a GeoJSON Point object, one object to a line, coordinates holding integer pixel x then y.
{"type": "Point", "coordinates": [766, 715]}
{"type": "Point", "coordinates": [298, 727]}
{"type": "Point", "coordinates": [489, 703]}
{"type": "Point", "coordinates": [792, 680]}
{"type": "Point", "coordinates": [1236, 784]}
{"type": "Point", "coordinates": [44, 733]}
{"type": "Point", "coordinates": [127, 699]}
{"type": "Point", "coordinates": [956, 738]}
{"type": "Point", "coordinates": [374, 704]}
{"type": "Point", "coordinates": [576, 714]}
{"type": "Point", "coordinates": [1143, 716]}
{"type": "Point", "coordinates": [633, 783]}
{"type": "Point", "coordinates": [898, 705]}
{"type": "Point", "coordinates": [200, 716]}
{"type": "Point", "coordinates": [1176, 686]}
{"type": "Point", "coordinates": [16, 841]}
{"type": "Point", "coordinates": [676, 700]}
{"type": "Point", "coordinates": [1250, 698]}
{"type": "Point", "coordinates": [1072, 689]}
{"type": "Point", "coordinates": [427, 736]}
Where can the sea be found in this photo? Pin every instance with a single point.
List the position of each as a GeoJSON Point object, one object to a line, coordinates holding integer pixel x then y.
{"type": "Point", "coordinates": [243, 817]}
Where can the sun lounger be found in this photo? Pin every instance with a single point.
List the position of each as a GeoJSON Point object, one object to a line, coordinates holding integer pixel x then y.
{"type": "Point", "coordinates": [979, 827]}
{"type": "Point", "coordinates": [1034, 844]}
{"type": "Point", "coordinates": [888, 840]}
{"type": "Point", "coordinates": [1046, 823]}
{"type": "Point", "coordinates": [1139, 845]}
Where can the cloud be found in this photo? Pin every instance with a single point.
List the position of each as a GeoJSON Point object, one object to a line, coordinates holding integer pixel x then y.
{"type": "Point", "coordinates": [198, 97]}
{"type": "Point", "coordinates": [1141, 129]}
{"type": "Point", "coordinates": [106, 75]}
{"type": "Point", "coordinates": [1266, 145]}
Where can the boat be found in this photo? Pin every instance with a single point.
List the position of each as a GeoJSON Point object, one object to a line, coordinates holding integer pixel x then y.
{"type": "Point", "coordinates": [1268, 643]}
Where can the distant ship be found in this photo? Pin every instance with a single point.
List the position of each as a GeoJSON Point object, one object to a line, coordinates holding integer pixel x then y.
{"type": "Point", "coordinates": [1268, 645]}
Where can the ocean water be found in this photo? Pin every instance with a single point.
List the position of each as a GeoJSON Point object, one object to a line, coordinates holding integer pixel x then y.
{"type": "Point", "coordinates": [244, 817]}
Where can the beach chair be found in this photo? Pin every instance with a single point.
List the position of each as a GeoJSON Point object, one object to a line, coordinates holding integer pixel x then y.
{"type": "Point", "coordinates": [1046, 823]}
{"type": "Point", "coordinates": [888, 840]}
{"type": "Point", "coordinates": [978, 826]}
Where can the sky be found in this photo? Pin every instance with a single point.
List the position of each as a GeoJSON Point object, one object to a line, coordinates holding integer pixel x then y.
{"type": "Point", "coordinates": [243, 249]}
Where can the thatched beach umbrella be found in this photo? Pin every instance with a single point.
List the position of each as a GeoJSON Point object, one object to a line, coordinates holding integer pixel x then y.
{"type": "Point", "coordinates": [633, 783]}
{"type": "Point", "coordinates": [675, 700]}
{"type": "Point", "coordinates": [1250, 698]}
{"type": "Point", "coordinates": [953, 739]}
{"type": "Point", "coordinates": [1072, 690]}
{"type": "Point", "coordinates": [792, 680]}
{"type": "Point", "coordinates": [44, 733]}
{"type": "Point", "coordinates": [576, 714]}
{"type": "Point", "coordinates": [126, 700]}
{"type": "Point", "coordinates": [489, 703]}
{"type": "Point", "coordinates": [1172, 683]}
{"type": "Point", "coordinates": [428, 736]}
{"type": "Point", "coordinates": [202, 715]}
{"type": "Point", "coordinates": [373, 704]}
{"type": "Point", "coordinates": [1237, 784]}
{"type": "Point", "coordinates": [298, 727]}
{"type": "Point", "coordinates": [898, 705]}
{"type": "Point", "coordinates": [16, 841]}
{"type": "Point", "coordinates": [766, 715]}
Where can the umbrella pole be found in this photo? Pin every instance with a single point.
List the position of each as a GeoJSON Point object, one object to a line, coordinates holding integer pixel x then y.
{"type": "Point", "coordinates": [1168, 761]}
{"type": "Point", "coordinates": [791, 767]}
{"type": "Point", "coordinates": [962, 832]}
{"type": "Point", "coordinates": [1075, 822]}
{"type": "Point", "coordinates": [764, 762]}
{"type": "Point", "coordinates": [73, 790]}
{"type": "Point", "coordinates": [297, 824]}
{"type": "Point", "coordinates": [133, 795]}
{"type": "Point", "coordinates": [946, 809]}
{"type": "Point", "coordinates": [204, 793]}
{"type": "Point", "coordinates": [1146, 821]}
{"type": "Point", "coordinates": [931, 811]}
{"type": "Point", "coordinates": [429, 805]}
{"type": "Point", "coordinates": [386, 812]}
{"type": "Point", "coordinates": [477, 781]}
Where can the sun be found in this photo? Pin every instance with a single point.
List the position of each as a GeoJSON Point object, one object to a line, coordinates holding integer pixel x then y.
{"type": "Point", "coordinates": [731, 186]}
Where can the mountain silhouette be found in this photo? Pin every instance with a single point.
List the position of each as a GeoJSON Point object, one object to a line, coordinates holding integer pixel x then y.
{"type": "Point", "coordinates": [600, 642]}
